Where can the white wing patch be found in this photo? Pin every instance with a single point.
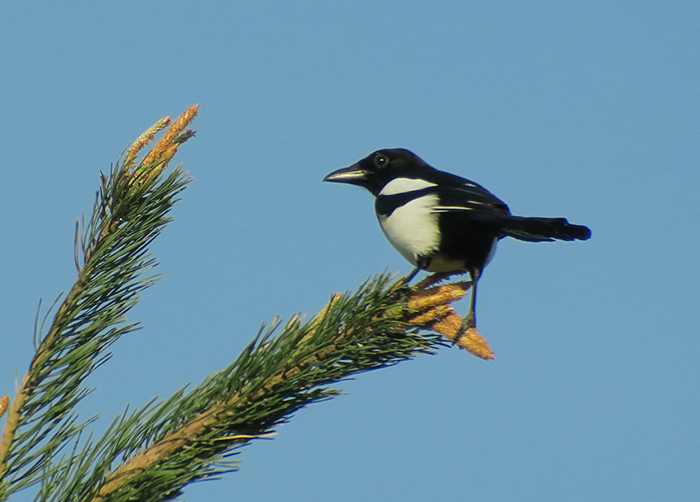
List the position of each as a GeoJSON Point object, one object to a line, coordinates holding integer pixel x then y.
{"type": "Point", "coordinates": [404, 185]}
{"type": "Point", "coordinates": [447, 209]}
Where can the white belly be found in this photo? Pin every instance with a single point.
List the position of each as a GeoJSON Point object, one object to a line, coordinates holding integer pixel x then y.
{"type": "Point", "coordinates": [412, 228]}
{"type": "Point", "coordinates": [440, 263]}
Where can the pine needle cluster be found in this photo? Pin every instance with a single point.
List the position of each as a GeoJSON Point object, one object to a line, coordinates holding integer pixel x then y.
{"type": "Point", "coordinates": [152, 453]}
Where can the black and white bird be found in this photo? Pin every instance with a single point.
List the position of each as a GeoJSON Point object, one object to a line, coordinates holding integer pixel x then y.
{"type": "Point", "coordinates": [441, 222]}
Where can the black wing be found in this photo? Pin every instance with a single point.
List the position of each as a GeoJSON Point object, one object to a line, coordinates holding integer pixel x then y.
{"type": "Point", "coordinates": [458, 194]}
{"type": "Point", "coordinates": [467, 201]}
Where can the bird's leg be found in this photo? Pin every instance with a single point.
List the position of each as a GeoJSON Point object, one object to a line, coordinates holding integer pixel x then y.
{"type": "Point", "coordinates": [422, 263]}
{"type": "Point", "coordinates": [470, 321]}
{"type": "Point", "coordinates": [403, 291]}
{"type": "Point", "coordinates": [410, 276]}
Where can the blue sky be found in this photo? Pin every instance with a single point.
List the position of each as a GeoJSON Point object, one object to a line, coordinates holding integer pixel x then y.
{"type": "Point", "coordinates": [588, 110]}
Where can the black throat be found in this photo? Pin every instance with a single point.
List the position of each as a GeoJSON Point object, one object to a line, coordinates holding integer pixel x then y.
{"type": "Point", "coordinates": [384, 205]}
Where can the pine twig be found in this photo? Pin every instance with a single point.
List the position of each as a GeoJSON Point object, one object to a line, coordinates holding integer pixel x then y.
{"type": "Point", "coordinates": [353, 333]}
{"type": "Point", "coordinates": [130, 211]}
{"type": "Point", "coordinates": [153, 452]}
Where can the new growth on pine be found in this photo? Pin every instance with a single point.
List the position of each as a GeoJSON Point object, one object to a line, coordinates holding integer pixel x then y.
{"type": "Point", "coordinates": [151, 453]}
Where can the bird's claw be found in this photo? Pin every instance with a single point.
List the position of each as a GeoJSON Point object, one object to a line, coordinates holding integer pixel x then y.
{"type": "Point", "coordinates": [402, 291]}
{"type": "Point", "coordinates": [469, 322]}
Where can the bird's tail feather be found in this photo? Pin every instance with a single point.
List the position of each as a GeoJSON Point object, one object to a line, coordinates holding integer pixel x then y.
{"type": "Point", "coordinates": [544, 229]}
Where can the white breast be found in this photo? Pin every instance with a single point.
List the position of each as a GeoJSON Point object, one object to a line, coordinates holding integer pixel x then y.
{"type": "Point", "coordinates": [413, 228]}
{"type": "Point", "coordinates": [405, 185]}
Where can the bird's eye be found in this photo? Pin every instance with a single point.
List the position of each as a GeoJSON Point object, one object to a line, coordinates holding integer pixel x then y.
{"type": "Point", "coordinates": [381, 160]}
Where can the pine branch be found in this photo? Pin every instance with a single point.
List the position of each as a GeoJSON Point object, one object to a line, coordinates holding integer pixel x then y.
{"type": "Point", "coordinates": [153, 452]}
{"type": "Point", "coordinates": [372, 328]}
{"type": "Point", "coordinates": [130, 211]}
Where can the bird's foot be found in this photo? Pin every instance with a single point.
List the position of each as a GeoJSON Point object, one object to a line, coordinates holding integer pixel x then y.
{"type": "Point", "coordinates": [403, 288]}
{"type": "Point", "coordinates": [434, 279]}
{"type": "Point", "coordinates": [402, 291]}
{"type": "Point", "coordinates": [468, 323]}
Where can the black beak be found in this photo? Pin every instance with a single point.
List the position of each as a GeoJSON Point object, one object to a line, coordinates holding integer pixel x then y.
{"type": "Point", "coordinates": [353, 175]}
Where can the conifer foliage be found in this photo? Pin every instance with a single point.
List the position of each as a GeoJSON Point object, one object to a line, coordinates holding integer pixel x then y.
{"type": "Point", "coordinates": [152, 453]}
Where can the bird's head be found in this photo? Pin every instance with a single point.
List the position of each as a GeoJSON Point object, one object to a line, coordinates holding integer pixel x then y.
{"type": "Point", "coordinates": [378, 169]}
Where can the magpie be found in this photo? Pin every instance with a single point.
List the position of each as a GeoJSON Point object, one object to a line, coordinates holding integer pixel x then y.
{"type": "Point", "coordinates": [441, 222]}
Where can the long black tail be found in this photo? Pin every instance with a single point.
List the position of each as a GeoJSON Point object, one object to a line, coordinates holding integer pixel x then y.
{"type": "Point", "coordinates": [544, 229]}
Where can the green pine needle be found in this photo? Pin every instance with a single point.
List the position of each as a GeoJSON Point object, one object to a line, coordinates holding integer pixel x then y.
{"type": "Point", "coordinates": [152, 453]}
